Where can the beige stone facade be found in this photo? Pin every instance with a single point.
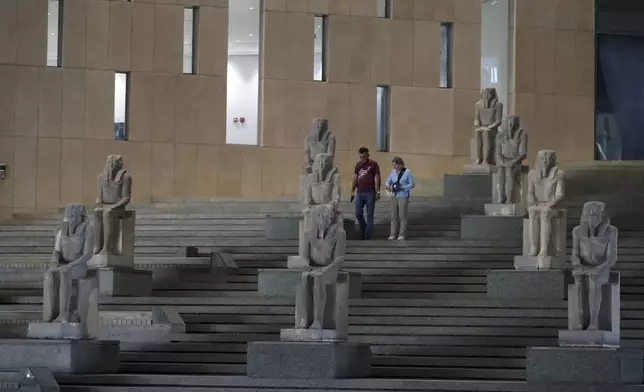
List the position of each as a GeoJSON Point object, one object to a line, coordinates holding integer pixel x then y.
{"type": "Point", "coordinates": [56, 124]}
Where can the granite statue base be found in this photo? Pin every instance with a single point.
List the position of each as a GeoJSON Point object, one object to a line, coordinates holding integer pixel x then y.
{"type": "Point", "coordinates": [57, 331]}
{"type": "Point", "coordinates": [282, 227]}
{"type": "Point", "coordinates": [588, 338]}
{"type": "Point", "coordinates": [284, 282]}
{"type": "Point", "coordinates": [483, 168]}
{"type": "Point", "coordinates": [514, 209]}
{"type": "Point", "coordinates": [535, 263]}
{"type": "Point", "coordinates": [308, 360]}
{"type": "Point", "coordinates": [584, 365]}
{"type": "Point", "coordinates": [475, 186]}
{"type": "Point", "coordinates": [512, 284]}
{"type": "Point", "coordinates": [64, 356]}
{"type": "Point", "coordinates": [126, 282]}
{"type": "Point", "coordinates": [481, 227]}
{"type": "Point", "coordinates": [312, 335]}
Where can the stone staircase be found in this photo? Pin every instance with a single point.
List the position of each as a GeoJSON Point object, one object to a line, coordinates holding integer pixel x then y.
{"type": "Point", "coordinates": [423, 307]}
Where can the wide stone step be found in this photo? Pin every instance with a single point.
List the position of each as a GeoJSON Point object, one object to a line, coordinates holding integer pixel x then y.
{"type": "Point", "coordinates": [170, 383]}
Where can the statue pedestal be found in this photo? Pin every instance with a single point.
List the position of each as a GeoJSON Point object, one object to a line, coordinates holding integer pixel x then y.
{"type": "Point", "coordinates": [514, 209]}
{"type": "Point", "coordinates": [474, 186]}
{"type": "Point", "coordinates": [64, 356]}
{"type": "Point", "coordinates": [483, 168]}
{"type": "Point", "coordinates": [512, 284]}
{"type": "Point", "coordinates": [588, 338]}
{"type": "Point", "coordinates": [481, 227]}
{"type": "Point", "coordinates": [125, 282]}
{"type": "Point", "coordinates": [308, 360]}
{"type": "Point", "coordinates": [312, 335]}
{"type": "Point", "coordinates": [284, 282]}
{"type": "Point", "coordinates": [583, 366]}
{"type": "Point", "coordinates": [535, 263]}
{"type": "Point", "coordinates": [282, 227]}
{"type": "Point", "coordinates": [57, 331]}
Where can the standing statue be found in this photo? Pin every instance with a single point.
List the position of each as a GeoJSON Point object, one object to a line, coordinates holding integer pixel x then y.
{"type": "Point", "coordinates": [73, 248]}
{"type": "Point", "coordinates": [594, 253]}
{"type": "Point", "coordinates": [324, 253]}
{"type": "Point", "coordinates": [511, 149]}
{"type": "Point", "coordinates": [114, 193]}
{"type": "Point", "coordinates": [488, 117]}
{"type": "Point", "coordinates": [319, 141]}
{"type": "Point", "coordinates": [546, 188]}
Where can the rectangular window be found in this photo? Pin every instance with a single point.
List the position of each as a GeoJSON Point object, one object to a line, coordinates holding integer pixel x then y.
{"type": "Point", "coordinates": [190, 19]}
{"type": "Point", "coordinates": [382, 121]}
{"type": "Point", "coordinates": [495, 44]}
{"type": "Point", "coordinates": [446, 55]}
{"type": "Point", "coordinates": [54, 33]}
{"type": "Point", "coordinates": [244, 54]}
{"type": "Point", "coordinates": [320, 48]}
{"type": "Point", "coordinates": [121, 105]}
{"type": "Point", "coordinates": [384, 8]}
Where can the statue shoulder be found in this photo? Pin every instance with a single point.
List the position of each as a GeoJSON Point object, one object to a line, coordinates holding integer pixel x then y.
{"type": "Point", "coordinates": [560, 174]}
{"type": "Point", "coordinates": [532, 174]}
{"type": "Point", "coordinates": [575, 230]}
{"type": "Point", "coordinates": [612, 231]}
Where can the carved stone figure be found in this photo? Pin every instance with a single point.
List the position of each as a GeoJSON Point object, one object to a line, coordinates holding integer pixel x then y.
{"type": "Point", "coordinates": [114, 193]}
{"type": "Point", "coordinates": [323, 184]}
{"type": "Point", "coordinates": [487, 119]}
{"type": "Point", "coordinates": [324, 253]}
{"type": "Point", "coordinates": [73, 248]}
{"type": "Point", "coordinates": [594, 253]}
{"type": "Point", "coordinates": [319, 141]}
{"type": "Point", "coordinates": [546, 188]}
{"type": "Point", "coordinates": [511, 149]}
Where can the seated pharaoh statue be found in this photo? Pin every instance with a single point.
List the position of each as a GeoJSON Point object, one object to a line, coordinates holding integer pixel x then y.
{"type": "Point", "coordinates": [594, 253]}
{"type": "Point", "coordinates": [113, 195]}
{"type": "Point", "coordinates": [488, 117]}
{"type": "Point", "coordinates": [73, 248]}
{"type": "Point", "coordinates": [546, 188]}
{"type": "Point", "coordinates": [317, 299]}
{"type": "Point", "coordinates": [322, 186]}
{"type": "Point", "coordinates": [511, 150]}
{"type": "Point", "coordinates": [319, 141]}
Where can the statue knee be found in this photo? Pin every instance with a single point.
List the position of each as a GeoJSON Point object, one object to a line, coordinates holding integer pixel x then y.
{"type": "Point", "coordinates": [532, 213]}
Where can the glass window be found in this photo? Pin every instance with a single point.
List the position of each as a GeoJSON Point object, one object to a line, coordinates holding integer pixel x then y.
{"type": "Point", "coordinates": [495, 44]}
{"type": "Point", "coordinates": [619, 77]}
{"type": "Point", "coordinates": [54, 30]}
{"type": "Point", "coordinates": [446, 55]}
{"type": "Point", "coordinates": [190, 40]}
{"type": "Point", "coordinates": [320, 48]}
{"type": "Point", "coordinates": [382, 121]}
{"type": "Point", "coordinates": [384, 8]}
{"type": "Point", "coordinates": [242, 104]}
{"type": "Point", "coordinates": [121, 105]}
